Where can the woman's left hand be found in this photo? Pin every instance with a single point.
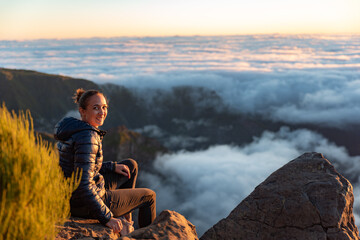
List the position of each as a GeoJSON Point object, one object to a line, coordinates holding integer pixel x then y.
{"type": "Point", "coordinates": [122, 169]}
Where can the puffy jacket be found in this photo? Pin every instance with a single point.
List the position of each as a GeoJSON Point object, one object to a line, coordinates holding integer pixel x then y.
{"type": "Point", "coordinates": [80, 147]}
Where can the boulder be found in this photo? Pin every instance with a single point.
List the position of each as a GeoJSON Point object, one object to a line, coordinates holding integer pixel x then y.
{"type": "Point", "coordinates": [305, 199]}
{"type": "Point", "coordinates": [168, 225]}
{"type": "Point", "coordinates": [85, 229]}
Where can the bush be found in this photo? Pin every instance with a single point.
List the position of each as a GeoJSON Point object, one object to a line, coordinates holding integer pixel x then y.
{"type": "Point", "coordinates": [34, 194]}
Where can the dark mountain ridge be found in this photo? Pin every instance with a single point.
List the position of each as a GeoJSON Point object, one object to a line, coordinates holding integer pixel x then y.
{"type": "Point", "coordinates": [47, 96]}
{"type": "Point", "coordinates": [193, 115]}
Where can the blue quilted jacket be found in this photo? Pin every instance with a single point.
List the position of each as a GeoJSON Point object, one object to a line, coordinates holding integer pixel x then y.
{"type": "Point", "coordinates": [80, 147]}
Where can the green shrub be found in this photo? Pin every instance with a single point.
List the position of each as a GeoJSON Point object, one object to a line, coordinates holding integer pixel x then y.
{"type": "Point", "coordinates": [34, 194]}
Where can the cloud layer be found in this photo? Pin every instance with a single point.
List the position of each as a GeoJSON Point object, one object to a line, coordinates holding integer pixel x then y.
{"type": "Point", "coordinates": [206, 185]}
{"type": "Point", "coordinates": [292, 78]}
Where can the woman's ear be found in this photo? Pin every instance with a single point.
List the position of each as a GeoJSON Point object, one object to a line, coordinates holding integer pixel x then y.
{"type": "Point", "coordinates": [82, 112]}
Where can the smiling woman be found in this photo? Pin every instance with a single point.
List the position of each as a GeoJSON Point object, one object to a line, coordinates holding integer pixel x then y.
{"type": "Point", "coordinates": [107, 190]}
{"type": "Point", "coordinates": [93, 106]}
{"type": "Point", "coordinates": [46, 19]}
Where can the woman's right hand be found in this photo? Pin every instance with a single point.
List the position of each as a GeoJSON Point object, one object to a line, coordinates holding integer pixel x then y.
{"type": "Point", "coordinates": [115, 224]}
{"type": "Point", "coordinates": [123, 170]}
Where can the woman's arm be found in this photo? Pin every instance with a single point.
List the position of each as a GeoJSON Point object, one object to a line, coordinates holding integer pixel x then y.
{"type": "Point", "coordinates": [115, 167]}
{"type": "Point", "coordinates": [107, 167]}
{"type": "Point", "coordinates": [85, 150]}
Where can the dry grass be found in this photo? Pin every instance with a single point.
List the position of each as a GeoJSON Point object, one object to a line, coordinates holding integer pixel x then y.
{"type": "Point", "coordinates": [34, 194]}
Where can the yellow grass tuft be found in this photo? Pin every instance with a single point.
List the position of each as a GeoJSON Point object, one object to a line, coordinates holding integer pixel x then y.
{"type": "Point", "coordinates": [34, 194]}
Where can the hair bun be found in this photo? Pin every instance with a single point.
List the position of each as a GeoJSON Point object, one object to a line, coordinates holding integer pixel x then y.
{"type": "Point", "coordinates": [78, 93]}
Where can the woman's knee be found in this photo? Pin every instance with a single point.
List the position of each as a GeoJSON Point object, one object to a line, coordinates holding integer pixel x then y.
{"type": "Point", "coordinates": [151, 194]}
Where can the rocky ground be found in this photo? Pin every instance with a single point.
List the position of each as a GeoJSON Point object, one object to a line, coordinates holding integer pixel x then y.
{"type": "Point", "coordinates": [168, 225]}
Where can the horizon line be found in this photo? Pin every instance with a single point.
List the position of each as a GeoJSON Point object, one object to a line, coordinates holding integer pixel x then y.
{"type": "Point", "coordinates": [183, 35]}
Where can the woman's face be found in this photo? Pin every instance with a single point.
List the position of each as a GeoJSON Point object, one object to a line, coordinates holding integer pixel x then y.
{"type": "Point", "coordinates": [96, 110]}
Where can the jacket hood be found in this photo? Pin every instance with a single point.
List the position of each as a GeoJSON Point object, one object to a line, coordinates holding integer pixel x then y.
{"type": "Point", "coordinates": [70, 125]}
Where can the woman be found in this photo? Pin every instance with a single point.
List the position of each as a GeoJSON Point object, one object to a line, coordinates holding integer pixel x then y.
{"type": "Point", "coordinates": [107, 190]}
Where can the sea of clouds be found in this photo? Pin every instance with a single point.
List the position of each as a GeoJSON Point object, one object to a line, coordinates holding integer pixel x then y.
{"type": "Point", "coordinates": [290, 78]}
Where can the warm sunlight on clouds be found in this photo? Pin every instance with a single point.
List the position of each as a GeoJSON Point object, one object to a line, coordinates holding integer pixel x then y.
{"type": "Point", "coordinates": [22, 19]}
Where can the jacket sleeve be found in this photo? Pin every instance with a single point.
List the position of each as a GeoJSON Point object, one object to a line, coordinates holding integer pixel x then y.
{"type": "Point", "coordinates": [107, 167]}
{"type": "Point", "coordinates": [85, 150]}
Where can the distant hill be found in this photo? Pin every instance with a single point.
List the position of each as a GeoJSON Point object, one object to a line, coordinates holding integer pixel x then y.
{"type": "Point", "coordinates": [188, 112]}
{"type": "Point", "coordinates": [47, 96]}
{"type": "Point", "coordinates": [184, 117]}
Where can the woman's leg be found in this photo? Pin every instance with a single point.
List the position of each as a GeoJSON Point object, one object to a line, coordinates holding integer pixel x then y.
{"type": "Point", "coordinates": [122, 197]}
{"type": "Point", "coordinates": [115, 181]}
{"type": "Point", "coordinates": [123, 201]}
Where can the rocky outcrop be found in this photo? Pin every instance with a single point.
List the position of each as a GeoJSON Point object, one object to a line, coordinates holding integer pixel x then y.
{"type": "Point", "coordinates": [89, 229]}
{"type": "Point", "coordinates": [168, 225]}
{"type": "Point", "coordinates": [305, 199]}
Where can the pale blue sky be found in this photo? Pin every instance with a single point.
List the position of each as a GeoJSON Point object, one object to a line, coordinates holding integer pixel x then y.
{"type": "Point", "coordinates": [23, 19]}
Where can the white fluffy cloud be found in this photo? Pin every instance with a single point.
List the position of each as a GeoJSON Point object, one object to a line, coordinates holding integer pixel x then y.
{"type": "Point", "coordinates": [206, 185]}
{"type": "Point", "coordinates": [292, 78]}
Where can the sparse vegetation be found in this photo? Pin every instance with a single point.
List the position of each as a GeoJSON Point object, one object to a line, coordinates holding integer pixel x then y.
{"type": "Point", "coordinates": [34, 194]}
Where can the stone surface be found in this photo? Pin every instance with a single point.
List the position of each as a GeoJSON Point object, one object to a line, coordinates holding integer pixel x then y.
{"type": "Point", "coordinates": [305, 199]}
{"type": "Point", "coordinates": [85, 229]}
{"type": "Point", "coordinates": [168, 225]}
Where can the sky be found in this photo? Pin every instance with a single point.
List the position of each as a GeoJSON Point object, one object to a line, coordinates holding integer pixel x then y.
{"type": "Point", "coordinates": [38, 19]}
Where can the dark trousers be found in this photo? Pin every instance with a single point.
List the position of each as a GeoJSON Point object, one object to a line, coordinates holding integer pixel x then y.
{"type": "Point", "coordinates": [122, 197]}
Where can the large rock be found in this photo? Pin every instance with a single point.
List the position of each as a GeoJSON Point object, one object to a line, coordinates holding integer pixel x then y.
{"type": "Point", "coordinates": [168, 225]}
{"type": "Point", "coordinates": [305, 199]}
{"type": "Point", "coordinates": [85, 229]}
